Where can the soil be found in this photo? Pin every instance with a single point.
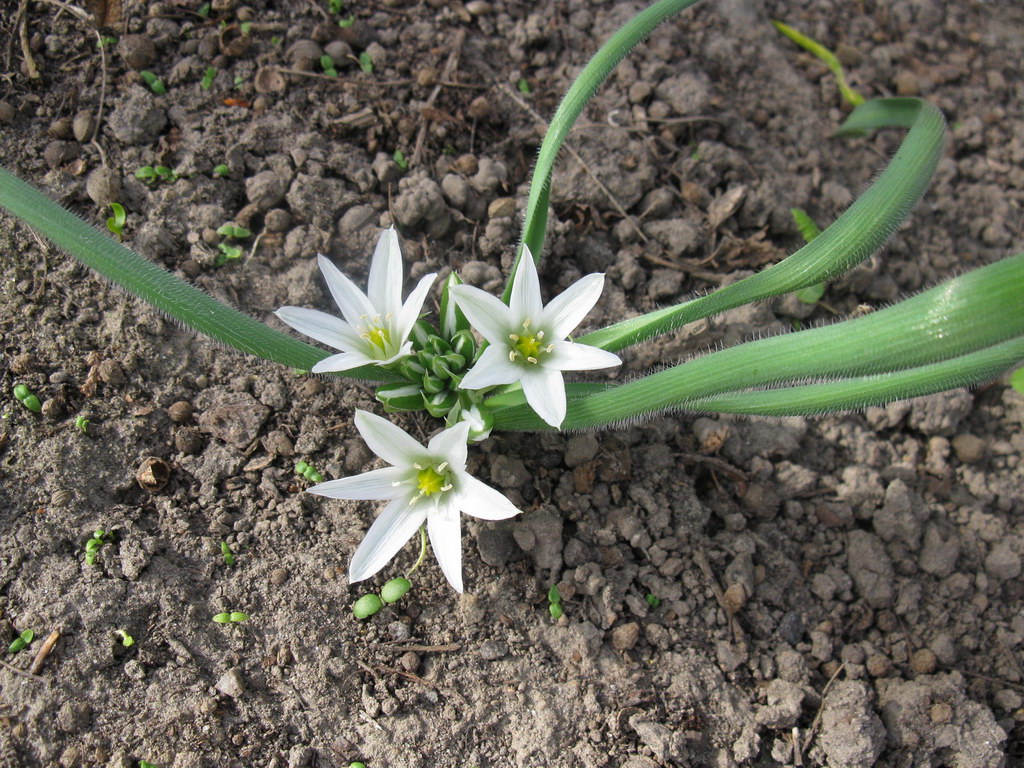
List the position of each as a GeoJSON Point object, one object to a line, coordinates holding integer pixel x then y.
{"type": "Point", "coordinates": [844, 591]}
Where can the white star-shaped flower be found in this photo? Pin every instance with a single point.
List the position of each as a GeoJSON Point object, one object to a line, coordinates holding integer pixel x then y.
{"type": "Point", "coordinates": [423, 484]}
{"type": "Point", "coordinates": [528, 340]}
{"type": "Point", "coordinates": [377, 324]}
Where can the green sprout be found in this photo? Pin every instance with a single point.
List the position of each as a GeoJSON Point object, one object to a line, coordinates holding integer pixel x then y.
{"type": "Point", "coordinates": [234, 231]}
{"type": "Point", "coordinates": [366, 606]}
{"type": "Point", "coordinates": [116, 222]}
{"type": "Point", "coordinates": [356, 764]}
{"type": "Point", "coordinates": [346, 22]}
{"type": "Point", "coordinates": [308, 471]}
{"type": "Point", "coordinates": [327, 64]}
{"type": "Point", "coordinates": [93, 545]}
{"type": "Point", "coordinates": [22, 641]}
{"type": "Point", "coordinates": [143, 763]}
{"type": "Point", "coordinates": [400, 160]}
{"type": "Point", "coordinates": [395, 589]}
{"type": "Point", "coordinates": [221, 170]}
{"type": "Point", "coordinates": [652, 600]}
{"type": "Point", "coordinates": [126, 640]}
{"type": "Point", "coordinates": [165, 173]}
{"type": "Point", "coordinates": [244, 27]}
{"type": "Point", "coordinates": [524, 87]}
{"type": "Point", "coordinates": [555, 602]}
{"type": "Point", "coordinates": [276, 40]}
{"type": "Point", "coordinates": [208, 77]}
{"type": "Point", "coordinates": [229, 556]}
{"type": "Point", "coordinates": [335, 6]}
{"type": "Point", "coordinates": [150, 174]}
{"type": "Point", "coordinates": [1017, 380]}
{"type": "Point", "coordinates": [809, 230]}
{"type": "Point", "coordinates": [82, 424]}
{"type": "Point", "coordinates": [232, 617]}
{"type": "Point", "coordinates": [851, 97]}
{"type": "Point", "coordinates": [23, 394]}
{"type": "Point", "coordinates": [366, 62]}
{"type": "Point", "coordinates": [156, 85]}
{"type": "Point", "coordinates": [105, 40]}
{"type": "Point", "coordinates": [204, 11]}
{"type": "Point", "coordinates": [146, 173]}
{"type": "Point", "coordinates": [238, 81]}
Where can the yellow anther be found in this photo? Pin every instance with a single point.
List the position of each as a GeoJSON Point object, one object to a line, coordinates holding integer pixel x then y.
{"type": "Point", "coordinates": [430, 482]}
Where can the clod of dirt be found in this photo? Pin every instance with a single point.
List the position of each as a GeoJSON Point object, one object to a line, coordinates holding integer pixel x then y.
{"type": "Point", "coordinates": [138, 51]}
{"type": "Point", "coordinates": [852, 735]}
{"type": "Point", "coordinates": [137, 119]}
{"type": "Point", "coordinates": [231, 683]}
{"type": "Point", "coordinates": [236, 419]}
{"type": "Point", "coordinates": [103, 186]}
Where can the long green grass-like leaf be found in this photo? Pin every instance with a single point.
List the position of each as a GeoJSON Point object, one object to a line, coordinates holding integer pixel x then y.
{"type": "Point", "coordinates": [919, 339]}
{"type": "Point", "coordinates": [850, 239]}
{"type": "Point", "coordinates": [853, 98]}
{"type": "Point", "coordinates": [576, 98]}
{"type": "Point", "coordinates": [150, 282]}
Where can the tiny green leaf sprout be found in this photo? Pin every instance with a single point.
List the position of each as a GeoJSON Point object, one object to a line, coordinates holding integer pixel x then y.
{"type": "Point", "coordinates": [93, 545]}
{"type": "Point", "coordinates": [105, 40]}
{"type": "Point", "coordinates": [808, 231]}
{"type": "Point", "coordinates": [156, 85]}
{"type": "Point", "coordinates": [327, 65]}
{"type": "Point", "coordinates": [204, 11]}
{"type": "Point", "coordinates": [356, 764]}
{"type": "Point", "coordinates": [230, 617]}
{"type": "Point", "coordinates": [308, 471]}
{"type": "Point", "coordinates": [229, 556]}
{"type": "Point", "coordinates": [116, 222]}
{"type": "Point", "coordinates": [222, 170]}
{"type": "Point", "coordinates": [851, 97]}
{"type": "Point", "coordinates": [143, 763]}
{"type": "Point", "coordinates": [227, 253]}
{"type": "Point", "coordinates": [82, 424]}
{"type": "Point", "coordinates": [652, 600]}
{"type": "Point", "coordinates": [245, 27]}
{"type": "Point", "coordinates": [208, 77]}
{"type": "Point", "coordinates": [126, 640]}
{"type": "Point", "coordinates": [22, 641]}
{"type": "Point", "coordinates": [24, 395]}
{"type": "Point", "coordinates": [524, 86]}
{"type": "Point", "coordinates": [151, 174]}
{"type": "Point", "coordinates": [346, 22]}
{"type": "Point", "coordinates": [366, 62]}
{"type": "Point", "coordinates": [232, 230]}
{"type": "Point", "coordinates": [555, 602]}
{"type": "Point", "coordinates": [335, 6]}
{"type": "Point", "coordinates": [400, 160]}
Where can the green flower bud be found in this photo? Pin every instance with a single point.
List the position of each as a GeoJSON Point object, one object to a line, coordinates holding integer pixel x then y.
{"type": "Point", "coordinates": [400, 397]}
{"type": "Point", "coordinates": [411, 369]}
{"type": "Point", "coordinates": [395, 589]}
{"type": "Point", "coordinates": [439, 404]}
{"type": "Point", "coordinates": [433, 384]}
{"type": "Point", "coordinates": [366, 606]}
{"type": "Point", "coordinates": [464, 344]}
{"type": "Point", "coordinates": [438, 345]}
{"type": "Point", "coordinates": [454, 361]}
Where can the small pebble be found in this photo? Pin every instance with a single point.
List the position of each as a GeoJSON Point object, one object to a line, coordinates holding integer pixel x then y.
{"type": "Point", "coordinates": [110, 372]}
{"type": "Point", "coordinates": [7, 112]}
{"type": "Point", "coordinates": [231, 683]}
{"type": "Point", "coordinates": [625, 636]}
{"type": "Point", "coordinates": [138, 51]}
{"type": "Point", "coordinates": [410, 661]}
{"type": "Point", "coordinates": [180, 412]}
{"type": "Point", "coordinates": [278, 576]}
{"type": "Point", "coordinates": [188, 441]}
{"type": "Point", "coordinates": [923, 662]}
{"type": "Point", "coordinates": [878, 665]}
{"type": "Point", "coordinates": [969, 449]}
{"type": "Point", "coordinates": [941, 712]}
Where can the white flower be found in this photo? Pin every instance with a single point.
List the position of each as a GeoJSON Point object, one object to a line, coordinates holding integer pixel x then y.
{"type": "Point", "coordinates": [528, 340]}
{"type": "Point", "coordinates": [377, 324]}
{"type": "Point", "coordinates": [423, 484]}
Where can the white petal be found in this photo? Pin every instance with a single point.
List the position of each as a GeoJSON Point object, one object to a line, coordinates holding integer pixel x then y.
{"type": "Point", "coordinates": [567, 356]}
{"type": "Point", "coordinates": [545, 393]}
{"type": "Point", "coordinates": [492, 369]}
{"type": "Point", "coordinates": [410, 311]}
{"type": "Point", "coordinates": [350, 300]}
{"type": "Point", "coordinates": [325, 328]}
{"type": "Point", "coordinates": [525, 301]}
{"type": "Point", "coordinates": [376, 484]}
{"type": "Point", "coordinates": [567, 310]}
{"type": "Point", "coordinates": [344, 361]}
{"type": "Point", "coordinates": [485, 313]}
{"type": "Point", "coordinates": [391, 443]}
{"type": "Point", "coordinates": [445, 529]}
{"type": "Point", "coordinates": [385, 284]}
{"type": "Point", "coordinates": [480, 500]}
{"type": "Point", "coordinates": [450, 445]}
{"type": "Point", "coordinates": [388, 534]}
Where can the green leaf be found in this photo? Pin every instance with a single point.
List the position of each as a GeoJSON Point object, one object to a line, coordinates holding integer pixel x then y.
{"type": "Point", "coordinates": [365, 62]}
{"type": "Point", "coordinates": [811, 294]}
{"type": "Point", "coordinates": [554, 596]}
{"type": "Point", "coordinates": [1017, 380]}
{"type": "Point", "coordinates": [807, 226]}
{"type": "Point", "coordinates": [853, 98]}
{"type": "Point", "coordinates": [851, 238]}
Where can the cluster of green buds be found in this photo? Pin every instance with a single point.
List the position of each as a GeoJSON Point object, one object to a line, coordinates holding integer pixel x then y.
{"type": "Point", "coordinates": [435, 369]}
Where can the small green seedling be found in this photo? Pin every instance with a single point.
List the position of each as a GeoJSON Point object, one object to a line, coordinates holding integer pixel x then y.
{"type": "Point", "coordinates": [327, 64]}
{"type": "Point", "coordinates": [93, 546]}
{"type": "Point", "coordinates": [106, 40]}
{"type": "Point", "coordinates": [400, 160]}
{"type": "Point", "coordinates": [82, 424]}
{"type": "Point", "coordinates": [143, 763]}
{"type": "Point", "coordinates": [524, 87]}
{"type": "Point", "coordinates": [276, 40]}
{"type": "Point", "coordinates": [204, 11]}
{"type": "Point", "coordinates": [853, 98]}
{"type": "Point", "coordinates": [366, 62]}
{"type": "Point", "coordinates": [230, 230]}
{"type": "Point", "coordinates": [652, 600]}
{"type": "Point", "coordinates": [244, 27]}
{"type": "Point", "coordinates": [356, 764]}
{"type": "Point", "coordinates": [229, 556]}
{"type": "Point", "coordinates": [126, 640]}
{"type": "Point", "coordinates": [308, 471]}
{"type": "Point", "coordinates": [346, 22]}
{"type": "Point", "coordinates": [22, 641]}
{"type": "Point", "coordinates": [233, 617]}
{"type": "Point", "coordinates": [156, 85]}
{"type": "Point", "coordinates": [29, 400]}
{"type": "Point", "coordinates": [555, 602]}
{"type": "Point", "coordinates": [208, 77]}
{"type": "Point", "coordinates": [165, 173]}
{"type": "Point", "coordinates": [238, 81]}
{"type": "Point", "coordinates": [116, 222]}
{"type": "Point", "coordinates": [1017, 380]}
{"type": "Point", "coordinates": [366, 606]}
{"type": "Point", "coordinates": [227, 253]}
{"type": "Point", "coordinates": [221, 170]}
{"type": "Point", "coordinates": [808, 231]}
{"type": "Point", "coordinates": [146, 173]}
{"type": "Point", "coordinates": [335, 6]}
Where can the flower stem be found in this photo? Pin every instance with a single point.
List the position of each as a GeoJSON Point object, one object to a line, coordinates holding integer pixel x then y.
{"type": "Point", "coordinates": [423, 551]}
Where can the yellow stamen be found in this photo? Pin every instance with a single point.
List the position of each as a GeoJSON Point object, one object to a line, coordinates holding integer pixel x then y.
{"type": "Point", "coordinates": [430, 482]}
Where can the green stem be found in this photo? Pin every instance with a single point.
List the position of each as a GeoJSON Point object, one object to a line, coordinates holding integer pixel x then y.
{"type": "Point", "coordinates": [423, 552]}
